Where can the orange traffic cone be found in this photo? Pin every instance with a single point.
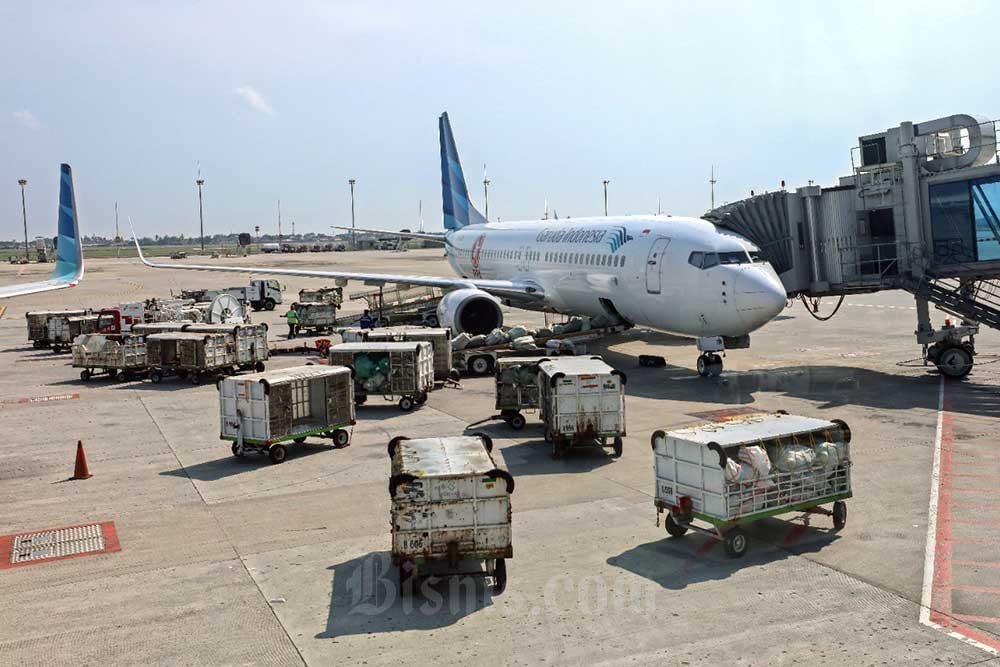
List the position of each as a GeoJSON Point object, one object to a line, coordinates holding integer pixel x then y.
{"type": "Point", "coordinates": [81, 471]}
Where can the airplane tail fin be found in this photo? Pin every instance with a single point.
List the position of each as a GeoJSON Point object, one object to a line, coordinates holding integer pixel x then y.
{"type": "Point", "coordinates": [69, 247]}
{"type": "Point", "coordinates": [458, 210]}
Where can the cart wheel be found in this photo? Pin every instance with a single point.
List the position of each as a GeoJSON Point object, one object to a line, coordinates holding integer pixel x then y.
{"type": "Point", "coordinates": [675, 529]}
{"type": "Point", "coordinates": [736, 542]}
{"type": "Point", "coordinates": [195, 378]}
{"type": "Point", "coordinates": [420, 398]}
{"type": "Point", "coordinates": [558, 448]}
{"type": "Point", "coordinates": [517, 421]}
{"type": "Point", "coordinates": [56, 349]}
{"type": "Point", "coordinates": [406, 404]}
{"type": "Point", "coordinates": [156, 376]}
{"type": "Point", "coordinates": [359, 399]}
{"type": "Point", "coordinates": [617, 446]}
{"type": "Point", "coordinates": [407, 577]}
{"type": "Point", "coordinates": [839, 514]}
{"type": "Point", "coordinates": [278, 453]}
{"type": "Point", "coordinates": [548, 436]}
{"type": "Point", "coordinates": [236, 451]}
{"type": "Point", "coordinates": [499, 576]}
{"type": "Point", "coordinates": [481, 365]}
{"type": "Point", "coordinates": [259, 367]}
{"type": "Point", "coordinates": [182, 373]}
{"type": "Point", "coordinates": [113, 374]}
{"type": "Point", "coordinates": [341, 438]}
{"type": "Point", "coordinates": [299, 441]}
{"type": "Point", "coordinates": [453, 374]}
{"type": "Point", "coordinates": [38, 344]}
{"type": "Point", "coordinates": [85, 375]}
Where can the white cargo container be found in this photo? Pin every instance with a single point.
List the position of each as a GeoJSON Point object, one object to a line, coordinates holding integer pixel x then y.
{"type": "Point", "coordinates": [260, 411]}
{"type": "Point", "coordinates": [316, 315]}
{"type": "Point", "coordinates": [440, 340]}
{"type": "Point", "coordinates": [517, 389]}
{"type": "Point", "coordinates": [390, 370]}
{"type": "Point", "coordinates": [38, 324]}
{"type": "Point", "coordinates": [189, 355]}
{"type": "Point", "coordinates": [582, 402]}
{"type": "Point", "coordinates": [450, 509]}
{"type": "Point", "coordinates": [115, 355]}
{"type": "Point", "coordinates": [63, 330]}
{"type": "Point", "coordinates": [749, 468]}
{"type": "Point", "coordinates": [248, 340]}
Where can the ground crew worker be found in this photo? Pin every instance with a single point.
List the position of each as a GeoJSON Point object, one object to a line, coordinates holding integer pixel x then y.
{"type": "Point", "coordinates": [292, 317]}
{"type": "Point", "coordinates": [367, 322]}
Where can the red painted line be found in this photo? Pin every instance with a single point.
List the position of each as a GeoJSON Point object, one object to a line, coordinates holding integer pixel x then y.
{"type": "Point", "coordinates": [959, 489]}
{"type": "Point", "coordinates": [974, 476]}
{"type": "Point", "coordinates": [976, 506]}
{"type": "Point", "coordinates": [54, 357]}
{"type": "Point", "coordinates": [977, 522]}
{"type": "Point", "coordinates": [951, 622]}
{"type": "Point", "coordinates": [976, 563]}
{"type": "Point", "coordinates": [973, 540]}
{"type": "Point", "coordinates": [976, 619]}
{"type": "Point", "coordinates": [39, 399]}
{"type": "Point", "coordinates": [967, 588]}
{"type": "Point", "coordinates": [111, 544]}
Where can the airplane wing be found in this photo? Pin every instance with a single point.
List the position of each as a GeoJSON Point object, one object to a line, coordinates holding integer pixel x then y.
{"type": "Point", "coordinates": [68, 270]}
{"type": "Point", "coordinates": [506, 289]}
{"type": "Point", "coordinates": [423, 236]}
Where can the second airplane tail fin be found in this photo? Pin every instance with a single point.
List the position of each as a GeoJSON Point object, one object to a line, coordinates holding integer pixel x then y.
{"type": "Point", "coordinates": [458, 210]}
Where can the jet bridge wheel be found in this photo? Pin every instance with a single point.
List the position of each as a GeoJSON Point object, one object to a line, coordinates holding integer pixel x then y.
{"type": "Point", "coordinates": [955, 362]}
{"type": "Point", "coordinates": [709, 365]}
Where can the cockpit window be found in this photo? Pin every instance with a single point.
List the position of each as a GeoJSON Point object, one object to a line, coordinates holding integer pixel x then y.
{"type": "Point", "coordinates": [706, 260]}
{"type": "Point", "coordinates": [696, 258]}
{"type": "Point", "coordinates": [738, 257]}
{"type": "Point", "coordinates": [711, 259]}
{"type": "Point", "coordinates": [757, 256]}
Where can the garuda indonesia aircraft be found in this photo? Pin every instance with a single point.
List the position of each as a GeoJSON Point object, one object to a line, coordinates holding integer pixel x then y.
{"type": "Point", "coordinates": [679, 275]}
{"type": "Point", "coordinates": [68, 270]}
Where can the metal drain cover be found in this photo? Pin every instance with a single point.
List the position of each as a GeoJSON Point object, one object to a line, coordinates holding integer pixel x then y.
{"type": "Point", "coordinates": [58, 543]}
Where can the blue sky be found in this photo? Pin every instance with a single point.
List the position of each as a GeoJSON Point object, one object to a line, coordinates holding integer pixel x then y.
{"type": "Point", "coordinates": [290, 100]}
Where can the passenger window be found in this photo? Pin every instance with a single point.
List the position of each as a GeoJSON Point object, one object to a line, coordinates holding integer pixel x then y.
{"type": "Point", "coordinates": [696, 259]}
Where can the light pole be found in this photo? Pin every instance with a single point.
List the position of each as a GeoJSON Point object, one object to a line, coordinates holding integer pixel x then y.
{"type": "Point", "coordinates": [606, 181]}
{"type": "Point", "coordinates": [24, 214]}
{"type": "Point", "coordinates": [354, 246]}
{"type": "Point", "coordinates": [201, 214]}
{"type": "Point", "coordinates": [486, 196]}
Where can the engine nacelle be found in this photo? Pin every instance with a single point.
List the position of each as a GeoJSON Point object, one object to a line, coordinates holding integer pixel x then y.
{"type": "Point", "coordinates": [470, 311]}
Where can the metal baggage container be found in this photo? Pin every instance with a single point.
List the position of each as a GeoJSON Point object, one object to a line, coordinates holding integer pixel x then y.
{"type": "Point", "coordinates": [189, 355]}
{"type": "Point", "coordinates": [320, 317]}
{"type": "Point", "coordinates": [147, 328]}
{"type": "Point", "coordinates": [699, 476]}
{"type": "Point", "coordinates": [330, 295]}
{"type": "Point", "coordinates": [440, 340]}
{"type": "Point", "coordinates": [249, 340]}
{"type": "Point", "coordinates": [114, 355]}
{"type": "Point", "coordinates": [63, 330]}
{"type": "Point", "coordinates": [404, 370]}
{"type": "Point", "coordinates": [582, 401]}
{"type": "Point", "coordinates": [260, 411]}
{"type": "Point", "coordinates": [38, 324]}
{"type": "Point", "coordinates": [450, 509]}
{"type": "Point", "coordinates": [517, 389]}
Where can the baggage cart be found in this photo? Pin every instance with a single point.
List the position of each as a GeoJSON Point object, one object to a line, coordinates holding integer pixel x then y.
{"type": "Point", "coordinates": [450, 509]}
{"type": "Point", "coordinates": [263, 412]}
{"type": "Point", "coordinates": [320, 317]}
{"type": "Point", "coordinates": [517, 389]}
{"type": "Point", "coordinates": [397, 370]}
{"type": "Point", "coordinates": [332, 295]}
{"type": "Point", "coordinates": [582, 402]}
{"type": "Point", "coordinates": [440, 340]}
{"type": "Point", "coordinates": [63, 330]}
{"type": "Point", "coordinates": [750, 468]}
{"type": "Point", "coordinates": [249, 341]}
{"type": "Point", "coordinates": [189, 355]}
{"type": "Point", "coordinates": [114, 355]}
{"type": "Point", "coordinates": [38, 324]}
{"type": "Point", "coordinates": [146, 328]}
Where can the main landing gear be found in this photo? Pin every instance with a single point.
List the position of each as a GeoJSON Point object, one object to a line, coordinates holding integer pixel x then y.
{"type": "Point", "coordinates": [709, 365]}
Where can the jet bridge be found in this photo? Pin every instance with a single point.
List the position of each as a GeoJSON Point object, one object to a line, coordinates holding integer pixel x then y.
{"type": "Point", "coordinates": [920, 212]}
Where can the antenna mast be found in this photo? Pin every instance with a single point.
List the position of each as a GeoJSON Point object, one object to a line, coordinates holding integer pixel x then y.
{"type": "Point", "coordinates": [712, 183]}
{"type": "Point", "coordinates": [279, 223]}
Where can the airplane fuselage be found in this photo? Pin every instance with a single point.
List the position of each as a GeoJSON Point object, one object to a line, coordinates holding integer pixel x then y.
{"type": "Point", "coordinates": [645, 268]}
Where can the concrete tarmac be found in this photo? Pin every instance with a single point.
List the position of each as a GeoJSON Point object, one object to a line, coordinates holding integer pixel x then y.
{"type": "Point", "coordinates": [238, 561]}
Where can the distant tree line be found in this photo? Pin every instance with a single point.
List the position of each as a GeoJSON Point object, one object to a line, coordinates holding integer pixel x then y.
{"type": "Point", "coordinates": [181, 239]}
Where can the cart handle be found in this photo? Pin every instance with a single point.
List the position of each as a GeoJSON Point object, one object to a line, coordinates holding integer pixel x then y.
{"type": "Point", "coordinates": [487, 440]}
{"type": "Point", "coordinates": [654, 436]}
{"type": "Point", "coordinates": [394, 443]}
{"type": "Point", "coordinates": [503, 474]}
{"type": "Point", "coordinates": [717, 448]}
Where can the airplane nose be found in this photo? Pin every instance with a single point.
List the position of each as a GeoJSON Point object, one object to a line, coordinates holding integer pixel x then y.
{"type": "Point", "coordinates": [759, 296]}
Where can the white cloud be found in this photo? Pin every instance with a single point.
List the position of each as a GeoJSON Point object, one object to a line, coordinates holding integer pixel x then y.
{"type": "Point", "coordinates": [254, 99]}
{"type": "Point", "coordinates": [27, 119]}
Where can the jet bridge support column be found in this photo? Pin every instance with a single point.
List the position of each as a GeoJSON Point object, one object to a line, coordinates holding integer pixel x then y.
{"type": "Point", "coordinates": [913, 230]}
{"type": "Point", "coordinates": [810, 201]}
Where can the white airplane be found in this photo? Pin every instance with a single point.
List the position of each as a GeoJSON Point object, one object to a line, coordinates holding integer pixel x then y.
{"type": "Point", "coordinates": [68, 270]}
{"type": "Point", "coordinates": [678, 275]}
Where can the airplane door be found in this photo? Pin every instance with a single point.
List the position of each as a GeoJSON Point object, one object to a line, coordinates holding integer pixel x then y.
{"type": "Point", "coordinates": [654, 265]}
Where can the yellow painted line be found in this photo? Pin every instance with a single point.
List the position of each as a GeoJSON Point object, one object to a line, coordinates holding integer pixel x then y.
{"type": "Point", "coordinates": [3, 309]}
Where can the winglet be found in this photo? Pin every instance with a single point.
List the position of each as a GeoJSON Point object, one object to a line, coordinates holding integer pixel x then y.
{"type": "Point", "coordinates": [69, 245]}
{"type": "Point", "coordinates": [458, 210]}
{"type": "Point", "coordinates": [135, 239]}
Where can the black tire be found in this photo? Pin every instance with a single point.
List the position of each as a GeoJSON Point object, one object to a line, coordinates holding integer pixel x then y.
{"type": "Point", "coordinates": [432, 321]}
{"type": "Point", "coordinates": [113, 374]}
{"type": "Point", "coordinates": [703, 366]}
{"type": "Point", "coordinates": [955, 362]}
{"type": "Point", "coordinates": [839, 514]}
{"type": "Point", "coordinates": [673, 528]}
{"type": "Point", "coordinates": [407, 578]}
{"type": "Point", "coordinates": [617, 446]}
{"type": "Point", "coordinates": [56, 349]}
{"type": "Point", "coordinates": [299, 441]}
{"type": "Point", "coordinates": [259, 367]}
{"type": "Point", "coordinates": [156, 376]}
{"type": "Point", "coordinates": [38, 344]}
{"type": "Point", "coordinates": [558, 447]}
{"type": "Point", "coordinates": [85, 375]}
{"type": "Point", "coordinates": [236, 451]}
{"type": "Point", "coordinates": [268, 304]}
{"type": "Point", "coordinates": [195, 378]}
{"type": "Point", "coordinates": [517, 421]}
{"type": "Point", "coordinates": [406, 404]}
{"type": "Point", "coordinates": [499, 576]}
{"type": "Point", "coordinates": [278, 453]}
{"type": "Point", "coordinates": [736, 543]}
{"type": "Point", "coordinates": [182, 373]}
{"type": "Point", "coordinates": [341, 438]}
{"type": "Point", "coordinates": [420, 398]}
{"type": "Point", "coordinates": [453, 374]}
{"type": "Point", "coordinates": [481, 365]}
{"type": "Point", "coordinates": [359, 399]}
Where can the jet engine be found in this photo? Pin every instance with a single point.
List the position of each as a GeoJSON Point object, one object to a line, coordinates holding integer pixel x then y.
{"type": "Point", "coordinates": [470, 311]}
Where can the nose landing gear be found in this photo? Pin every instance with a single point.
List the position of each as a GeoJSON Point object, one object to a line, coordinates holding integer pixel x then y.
{"type": "Point", "coordinates": [709, 365]}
